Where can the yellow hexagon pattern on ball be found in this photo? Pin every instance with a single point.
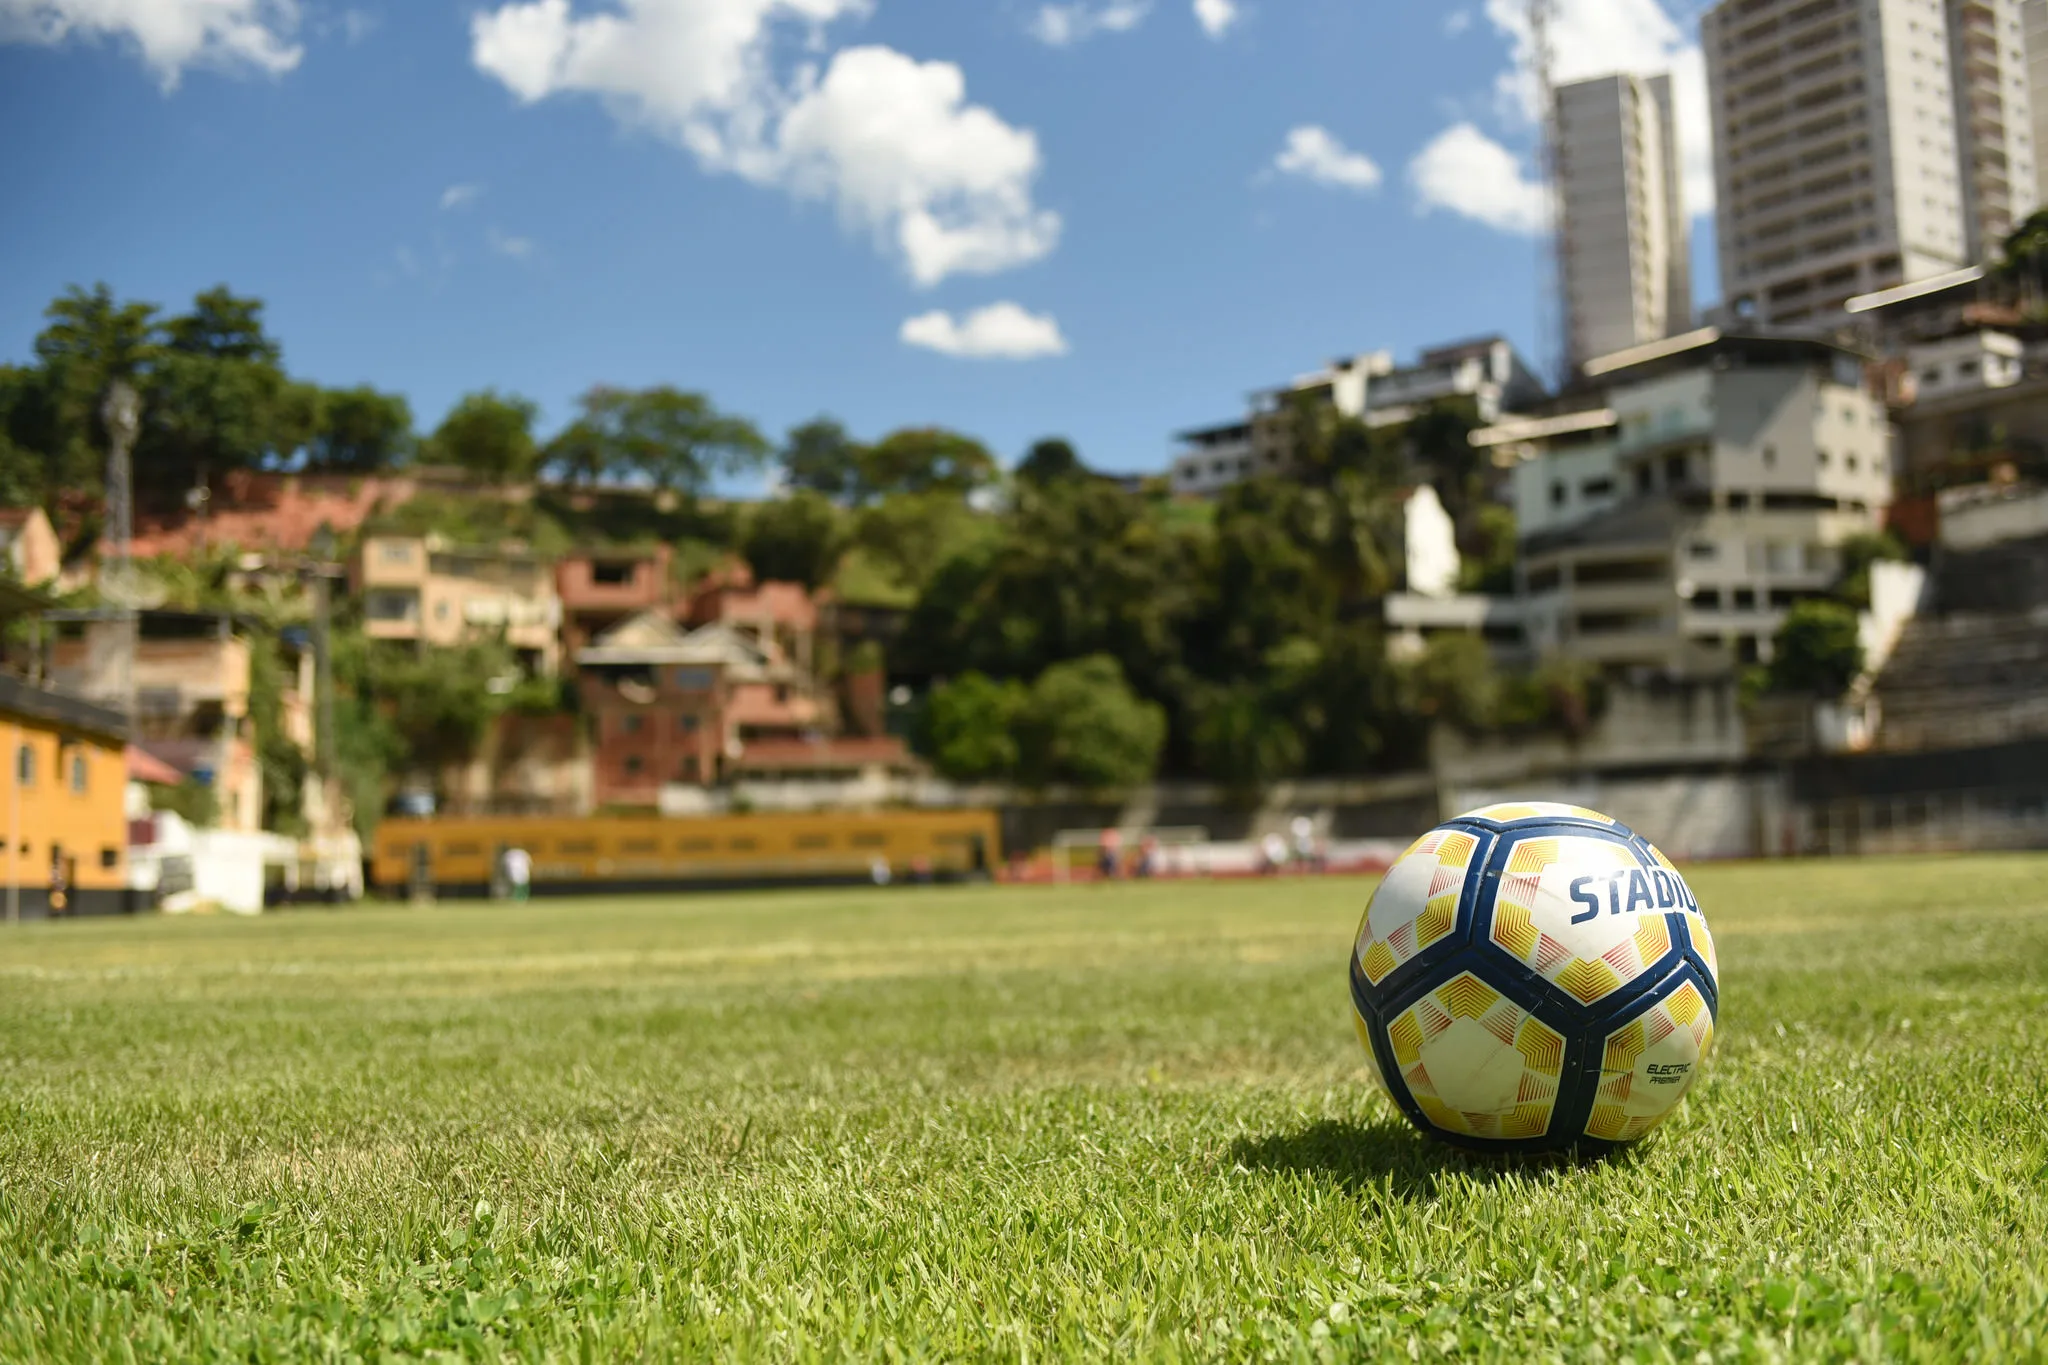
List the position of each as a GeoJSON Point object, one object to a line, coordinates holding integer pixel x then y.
{"type": "Point", "coordinates": [1649, 1063]}
{"type": "Point", "coordinates": [1569, 908]}
{"type": "Point", "coordinates": [1476, 1063]}
{"type": "Point", "coordinates": [1695, 921]}
{"type": "Point", "coordinates": [1416, 904]}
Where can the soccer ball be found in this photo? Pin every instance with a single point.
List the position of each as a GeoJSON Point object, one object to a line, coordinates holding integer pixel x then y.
{"type": "Point", "coordinates": [1535, 977]}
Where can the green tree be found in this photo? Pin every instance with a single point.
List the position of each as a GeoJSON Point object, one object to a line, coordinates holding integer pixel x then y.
{"type": "Point", "coordinates": [1858, 553]}
{"type": "Point", "coordinates": [909, 535]}
{"type": "Point", "coordinates": [795, 539]}
{"type": "Point", "coordinates": [970, 728]}
{"type": "Point", "coordinates": [1050, 461]}
{"type": "Point", "coordinates": [1818, 650]}
{"type": "Point", "coordinates": [217, 397]}
{"type": "Point", "coordinates": [1488, 564]}
{"type": "Point", "coordinates": [1082, 723]}
{"type": "Point", "coordinates": [661, 436]}
{"type": "Point", "coordinates": [1242, 740]}
{"type": "Point", "coordinates": [362, 431]}
{"type": "Point", "coordinates": [490, 435]}
{"type": "Point", "coordinates": [1455, 681]}
{"type": "Point", "coordinates": [820, 456]}
{"type": "Point", "coordinates": [2026, 256]}
{"type": "Point", "coordinates": [89, 340]}
{"type": "Point", "coordinates": [1076, 569]}
{"type": "Point", "coordinates": [926, 459]}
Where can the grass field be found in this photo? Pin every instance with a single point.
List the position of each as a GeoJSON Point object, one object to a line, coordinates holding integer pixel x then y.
{"type": "Point", "coordinates": [1100, 1122]}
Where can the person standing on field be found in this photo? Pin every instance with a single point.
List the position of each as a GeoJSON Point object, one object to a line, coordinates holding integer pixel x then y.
{"type": "Point", "coordinates": [518, 873]}
{"type": "Point", "coordinates": [1106, 858]}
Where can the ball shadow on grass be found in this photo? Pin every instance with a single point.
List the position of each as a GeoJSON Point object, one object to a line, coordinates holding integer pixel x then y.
{"type": "Point", "coordinates": [1389, 1156]}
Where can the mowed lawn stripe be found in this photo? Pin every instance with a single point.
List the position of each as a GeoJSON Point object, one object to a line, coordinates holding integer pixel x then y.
{"type": "Point", "coordinates": [994, 1123]}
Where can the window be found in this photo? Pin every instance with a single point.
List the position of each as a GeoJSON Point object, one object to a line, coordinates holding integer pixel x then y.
{"type": "Point", "coordinates": [79, 772]}
{"type": "Point", "coordinates": [742, 845]}
{"type": "Point", "coordinates": [440, 611]}
{"type": "Point", "coordinates": [1645, 478]}
{"type": "Point", "coordinates": [1596, 488]}
{"type": "Point", "coordinates": [614, 575]}
{"type": "Point", "coordinates": [110, 857]}
{"type": "Point", "coordinates": [1851, 463]}
{"type": "Point", "coordinates": [630, 724]}
{"type": "Point", "coordinates": [814, 841]}
{"type": "Point", "coordinates": [25, 766]}
{"type": "Point", "coordinates": [395, 552]}
{"type": "Point", "coordinates": [387, 604]}
{"type": "Point", "coordinates": [1745, 599]}
{"type": "Point", "coordinates": [633, 765]}
{"type": "Point", "coordinates": [1737, 501]}
{"type": "Point", "coordinates": [686, 725]}
{"type": "Point", "coordinates": [1558, 493]}
{"type": "Point", "coordinates": [1770, 457]}
{"type": "Point", "coordinates": [688, 772]}
{"type": "Point", "coordinates": [1965, 368]}
{"type": "Point", "coordinates": [1706, 599]}
{"type": "Point", "coordinates": [1822, 457]}
{"type": "Point", "coordinates": [1703, 549]}
{"type": "Point", "coordinates": [694, 679]}
{"type": "Point", "coordinates": [1930, 376]}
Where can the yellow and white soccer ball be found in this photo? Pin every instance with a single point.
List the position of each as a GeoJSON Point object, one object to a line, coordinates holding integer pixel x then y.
{"type": "Point", "coordinates": [1535, 977]}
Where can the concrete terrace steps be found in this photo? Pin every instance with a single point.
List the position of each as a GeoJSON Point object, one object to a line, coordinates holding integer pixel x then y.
{"type": "Point", "coordinates": [1976, 678]}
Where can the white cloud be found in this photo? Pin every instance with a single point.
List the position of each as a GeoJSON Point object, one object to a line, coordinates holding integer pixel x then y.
{"type": "Point", "coordinates": [1064, 25]}
{"type": "Point", "coordinates": [1001, 331]}
{"type": "Point", "coordinates": [892, 142]}
{"type": "Point", "coordinates": [456, 196]}
{"type": "Point", "coordinates": [517, 248]}
{"type": "Point", "coordinates": [171, 35]}
{"type": "Point", "coordinates": [1216, 16]}
{"type": "Point", "coordinates": [1456, 22]}
{"type": "Point", "coordinates": [1600, 37]}
{"type": "Point", "coordinates": [1313, 153]}
{"type": "Point", "coordinates": [1469, 173]}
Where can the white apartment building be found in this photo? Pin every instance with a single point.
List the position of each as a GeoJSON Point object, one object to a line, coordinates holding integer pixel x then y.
{"type": "Point", "coordinates": [1624, 251]}
{"type": "Point", "coordinates": [1674, 526]}
{"type": "Point", "coordinates": [1368, 387]}
{"type": "Point", "coordinates": [1966, 363]}
{"type": "Point", "coordinates": [1995, 134]}
{"type": "Point", "coordinates": [1861, 144]}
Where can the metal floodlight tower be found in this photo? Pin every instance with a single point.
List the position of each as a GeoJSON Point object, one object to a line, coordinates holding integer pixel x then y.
{"type": "Point", "coordinates": [121, 414]}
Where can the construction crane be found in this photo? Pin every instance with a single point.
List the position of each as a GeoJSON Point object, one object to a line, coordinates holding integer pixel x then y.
{"type": "Point", "coordinates": [1553, 316]}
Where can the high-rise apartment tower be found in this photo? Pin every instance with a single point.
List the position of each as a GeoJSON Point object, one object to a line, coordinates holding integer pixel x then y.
{"type": "Point", "coordinates": [1623, 249]}
{"type": "Point", "coordinates": [1861, 144]}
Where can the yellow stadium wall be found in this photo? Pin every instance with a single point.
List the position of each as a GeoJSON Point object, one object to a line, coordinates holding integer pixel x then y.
{"type": "Point", "coordinates": [652, 852]}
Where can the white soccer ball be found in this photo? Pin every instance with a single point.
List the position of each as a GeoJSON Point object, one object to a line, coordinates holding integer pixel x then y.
{"type": "Point", "coordinates": [1535, 977]}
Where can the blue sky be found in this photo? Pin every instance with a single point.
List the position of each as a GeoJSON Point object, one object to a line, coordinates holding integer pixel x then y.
{"type": "Point", "coordinates": [1105, 219]}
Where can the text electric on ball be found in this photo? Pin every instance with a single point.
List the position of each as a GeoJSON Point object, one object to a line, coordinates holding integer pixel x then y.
{"type": "Point", "coordinates": [1535, 977]}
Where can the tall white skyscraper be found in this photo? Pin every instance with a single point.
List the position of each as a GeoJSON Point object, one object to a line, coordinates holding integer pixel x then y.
{"type": "Point", "coordinates": [1837, 152]}
{"type": "Point", "coordinates": [1623, 246]}
{"type": "Point", "coordinates": [1996, 134]}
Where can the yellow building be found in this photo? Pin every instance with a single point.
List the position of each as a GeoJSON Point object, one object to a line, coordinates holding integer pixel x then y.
{"type": "Point", "coordinates": [61, 805]}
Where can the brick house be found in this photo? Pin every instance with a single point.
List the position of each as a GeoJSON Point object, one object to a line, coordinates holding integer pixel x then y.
{"type": "Point", "coordinates": [668, 705]}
